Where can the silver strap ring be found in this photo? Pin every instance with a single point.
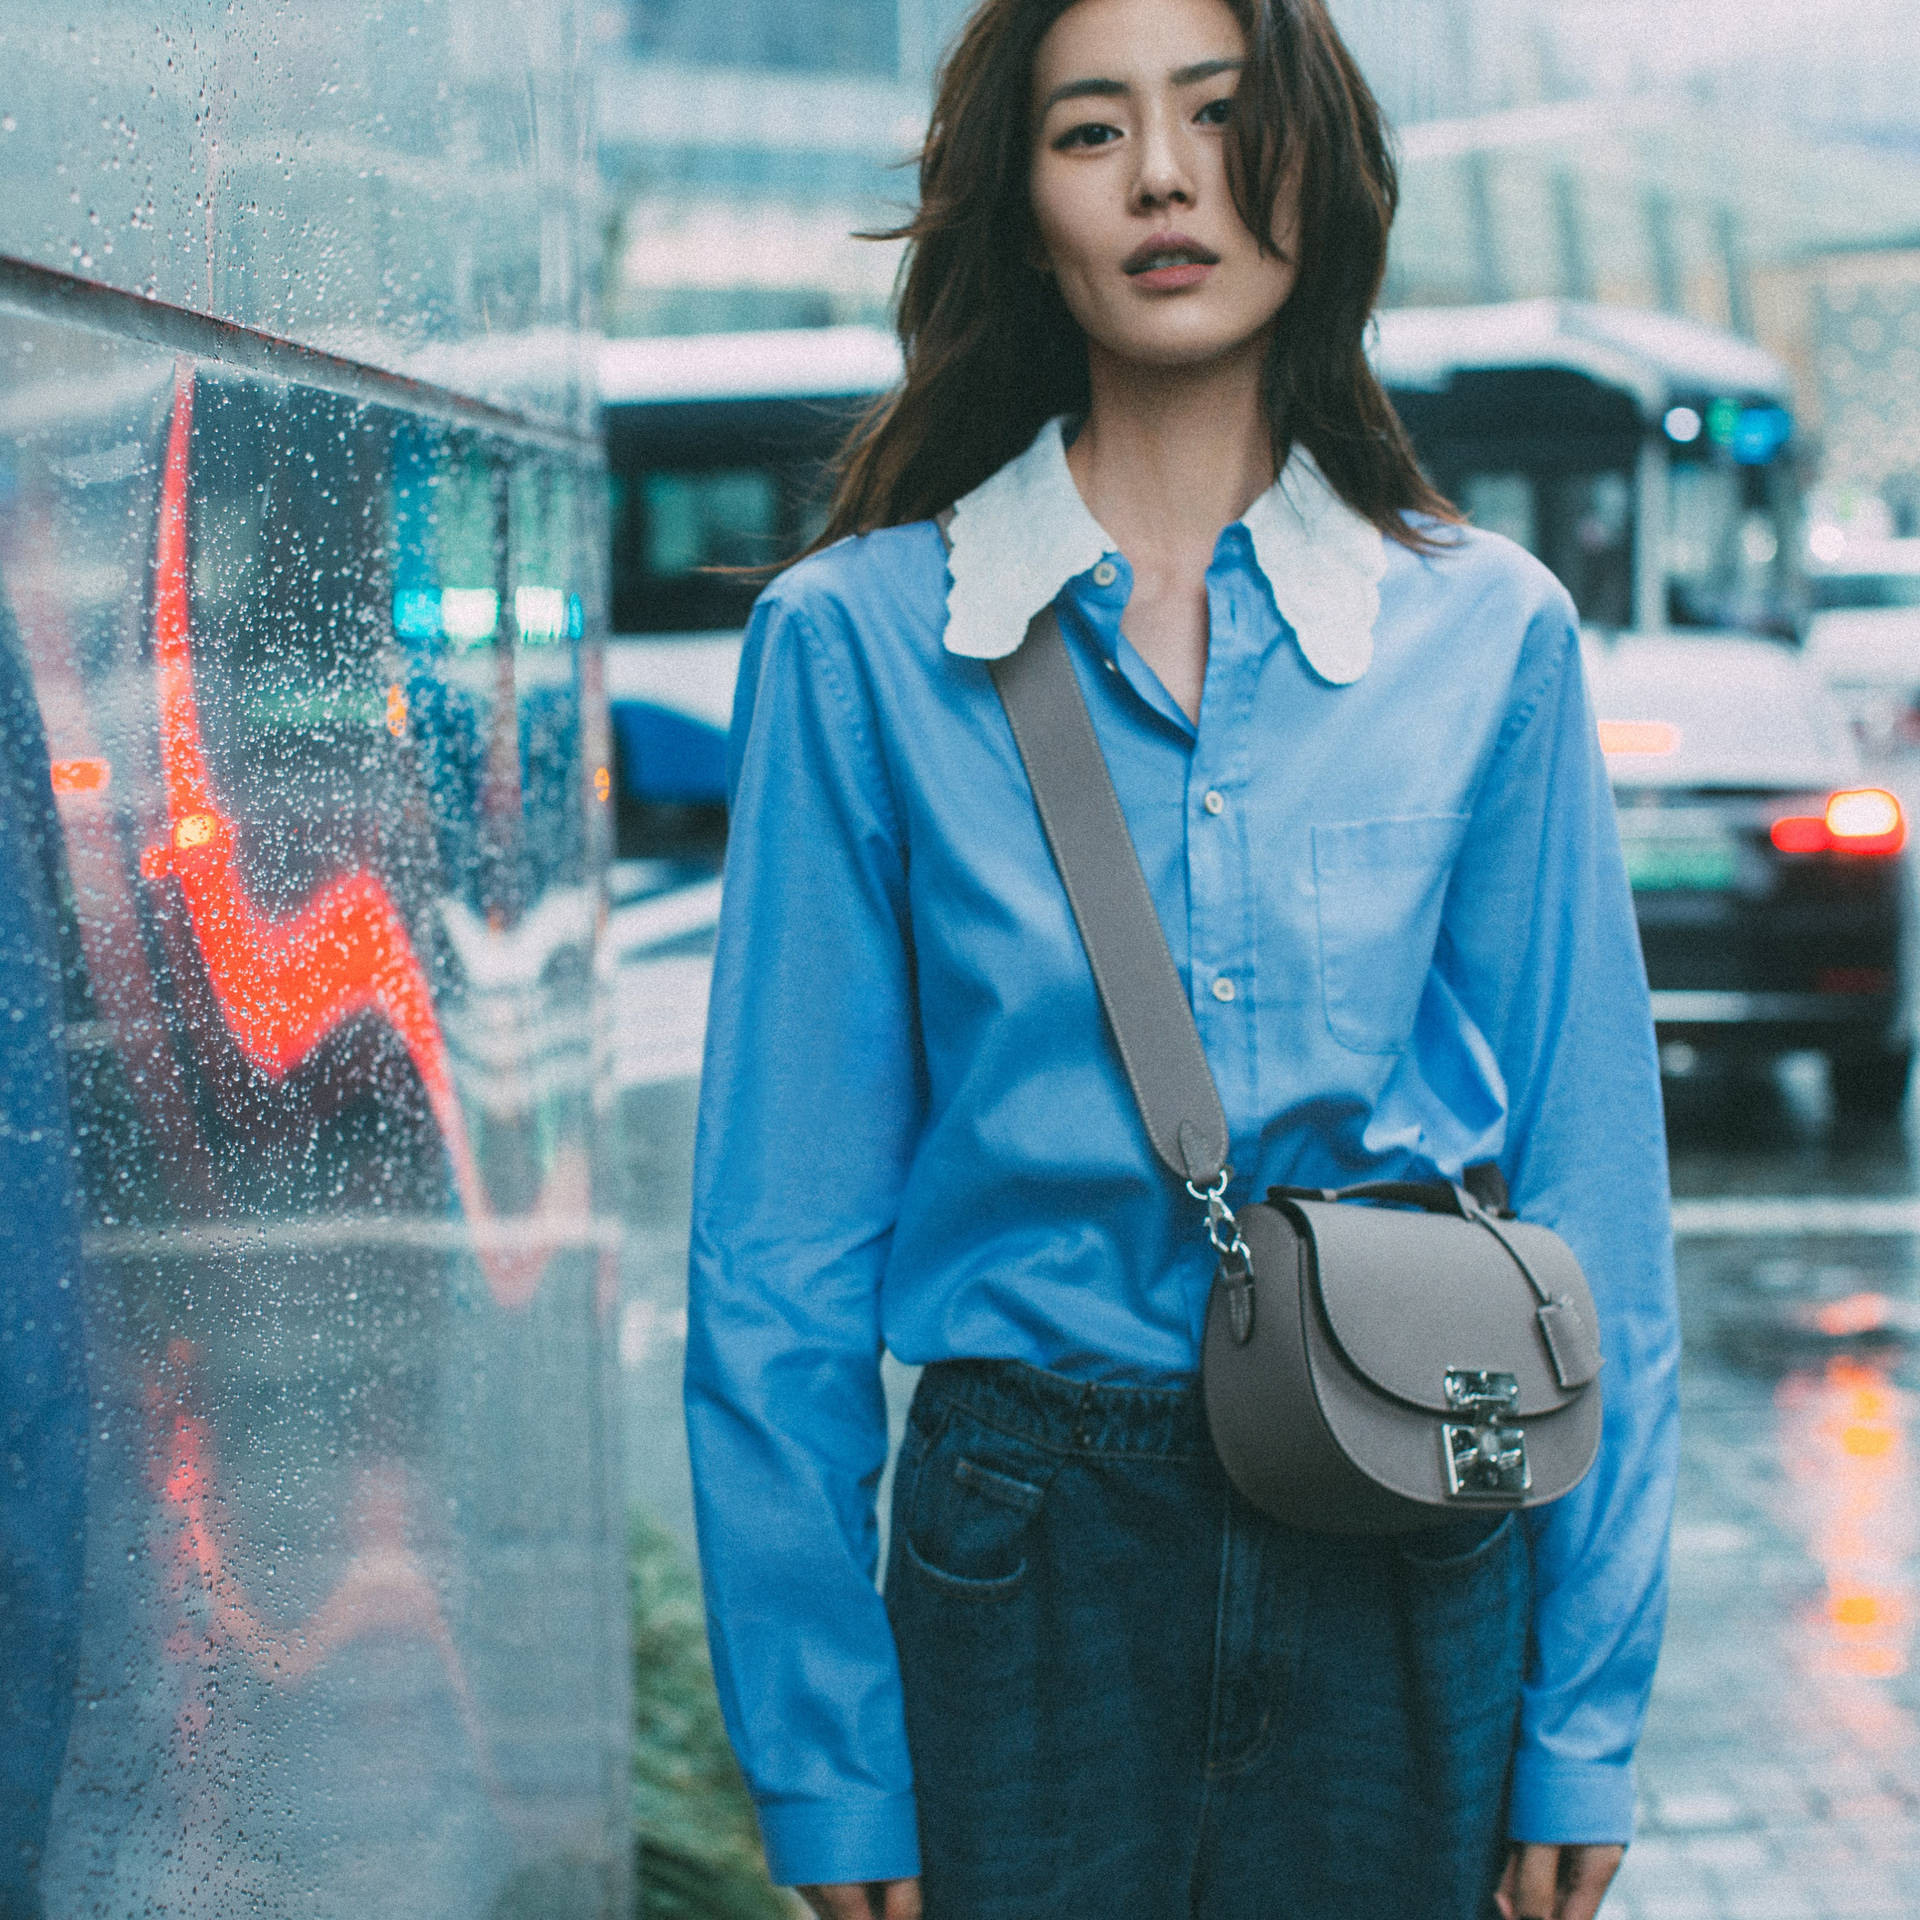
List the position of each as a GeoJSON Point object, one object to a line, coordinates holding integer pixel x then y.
{"type": "Point", "coordinates": [1223, 1230]}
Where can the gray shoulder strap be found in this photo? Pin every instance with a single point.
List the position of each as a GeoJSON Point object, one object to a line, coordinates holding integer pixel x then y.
{"type": "Point", "coordinates": [1139, 985]}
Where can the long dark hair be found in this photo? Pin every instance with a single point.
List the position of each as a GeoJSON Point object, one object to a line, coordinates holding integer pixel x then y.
{"type": "Point", "coordinates": [992, 352]}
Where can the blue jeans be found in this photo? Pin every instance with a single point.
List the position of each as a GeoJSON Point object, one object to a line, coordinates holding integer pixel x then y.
{"type": "Point", "coordinates": [1132, 1696]}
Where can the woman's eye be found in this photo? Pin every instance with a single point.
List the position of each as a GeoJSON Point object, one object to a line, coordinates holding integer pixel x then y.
{"type": "Point", "coordinates": [1216, 113]}
{"type": "Point", "coordinates": [1090, 133]}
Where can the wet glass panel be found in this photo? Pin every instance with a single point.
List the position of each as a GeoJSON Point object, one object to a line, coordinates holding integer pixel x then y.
{"type": "Point", "coordinates": [399, 185]}
{"type": "Point", "coordinates": [329, 1615]}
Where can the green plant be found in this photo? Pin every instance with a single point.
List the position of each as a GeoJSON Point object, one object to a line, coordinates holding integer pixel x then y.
{"type": "Point", "coordinates": [697, 1849]}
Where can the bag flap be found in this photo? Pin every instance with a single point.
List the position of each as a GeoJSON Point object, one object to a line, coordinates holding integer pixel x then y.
{"type": "Point", "coordinates": [1410, 1297]}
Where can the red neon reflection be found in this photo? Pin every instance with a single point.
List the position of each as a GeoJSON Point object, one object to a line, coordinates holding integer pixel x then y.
{"type": "Point", "coordinates": [284, 985]}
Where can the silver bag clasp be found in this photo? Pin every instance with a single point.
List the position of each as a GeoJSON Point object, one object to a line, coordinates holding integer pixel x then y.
{"type": "Point", "coordinates": [1486, 1452]}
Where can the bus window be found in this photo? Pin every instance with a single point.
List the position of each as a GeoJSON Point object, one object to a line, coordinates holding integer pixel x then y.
{"type": "Point", "coordinates": [1502, 503]}
{"type": "Point", "coordinates": [1724, 550]}
{"type": "Point", "coordinates": [675, 531]}
{"type": "Point", "coordinates": [811, 509]}
{"type": "Point", "coordinates": [696, 520]}
{"type": "Point", "coordinates": [1587, 539]}
{"type": "Point", "coordinates": [1858, 592]}
{"type": "Point", "coordinates": [1560, 425]}
{"type": "Point", "coordinates": [1579, 524]}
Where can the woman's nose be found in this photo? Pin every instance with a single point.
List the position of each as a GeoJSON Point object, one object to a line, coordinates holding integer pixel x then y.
{"type": "Point", "coordinates": [1162, 176]}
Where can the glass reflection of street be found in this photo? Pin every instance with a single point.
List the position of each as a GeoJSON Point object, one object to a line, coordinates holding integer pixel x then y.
{"type": "Point", "coordinates": [329, 1037]}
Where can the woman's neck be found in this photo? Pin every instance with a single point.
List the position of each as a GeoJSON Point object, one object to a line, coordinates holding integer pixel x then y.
{"type": "Point", "coordinates": [1165, 460]}
{"type": "Point", "coordinates": [1168, 457]}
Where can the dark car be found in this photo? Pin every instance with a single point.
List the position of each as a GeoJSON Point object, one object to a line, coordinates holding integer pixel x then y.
{"type": "Point", "coordinates": [1768, 873]}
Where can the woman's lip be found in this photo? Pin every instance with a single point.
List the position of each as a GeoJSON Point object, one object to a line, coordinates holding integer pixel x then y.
{"type": "Point", "coordinates": [1188, 271]}
{"type": "Point", "coordinates": [1168, 279]}
{"type": "Point", "coordinates": [1149, 250]}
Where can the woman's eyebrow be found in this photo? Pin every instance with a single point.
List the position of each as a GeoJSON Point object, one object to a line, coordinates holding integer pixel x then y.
{"type": "Point", "coordinates": [1118, 89]}
{"type": "Point", "coordinates": [1205, 70]}
{"type": "Point", "coordinates": [1085, 89]}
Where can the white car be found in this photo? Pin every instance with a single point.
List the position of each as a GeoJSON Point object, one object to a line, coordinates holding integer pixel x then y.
{"type": "Point", "coordinates": [1864, 636]}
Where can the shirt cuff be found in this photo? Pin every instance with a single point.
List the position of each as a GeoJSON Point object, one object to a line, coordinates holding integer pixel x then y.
{"type": "Point", "coordinates": [824, 1843]}
{"type": "Point", "coordinates": [1569, 1803]}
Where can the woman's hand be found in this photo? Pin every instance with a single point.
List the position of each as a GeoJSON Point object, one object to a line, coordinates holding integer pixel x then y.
{"type": "Point", "coordinates": [1550, 1883]}
{"type": "Point", "coordinates": [865, 1900]}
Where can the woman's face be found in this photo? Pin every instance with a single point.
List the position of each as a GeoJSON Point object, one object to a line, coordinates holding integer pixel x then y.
{"type": "Point", "coordinates": [1129, 182]}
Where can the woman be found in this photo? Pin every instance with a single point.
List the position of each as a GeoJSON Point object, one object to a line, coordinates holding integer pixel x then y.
{"type": "Point", "coordinates": [1352, 745]}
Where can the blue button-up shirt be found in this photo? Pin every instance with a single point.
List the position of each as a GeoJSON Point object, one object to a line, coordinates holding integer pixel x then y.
{"type": "Point", "coordinates": [1385, 862]}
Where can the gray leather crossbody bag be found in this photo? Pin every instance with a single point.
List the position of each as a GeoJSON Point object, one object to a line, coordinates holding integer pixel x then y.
{"type": "Point", "coordinates": [1373, 1356]}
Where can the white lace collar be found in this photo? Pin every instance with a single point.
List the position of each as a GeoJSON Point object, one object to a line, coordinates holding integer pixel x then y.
{"type": "Point", "coordinates": [1024, 532]}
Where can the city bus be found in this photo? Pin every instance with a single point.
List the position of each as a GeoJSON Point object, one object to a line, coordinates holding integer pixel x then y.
{"type": "Point", "coordinates": [1650, 461]}
{"type": "Point", "coordinates": [1653, 464]}
{"type": "Point", "coordinates": [718, 448]}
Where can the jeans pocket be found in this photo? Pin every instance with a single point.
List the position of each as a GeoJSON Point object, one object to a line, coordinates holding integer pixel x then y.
{"type": "Point", "coordinates": [1466, 1600]}
{"type": "Point", "coordinates": [974, 1499]}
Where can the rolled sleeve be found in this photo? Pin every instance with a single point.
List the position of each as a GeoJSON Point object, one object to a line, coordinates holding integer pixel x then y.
{"type": "Point", "coordinates": [1542, 947]}
{"type": "Point", "coordinates": [810, 1107]}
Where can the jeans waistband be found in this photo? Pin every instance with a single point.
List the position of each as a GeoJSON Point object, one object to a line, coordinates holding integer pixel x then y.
{"type": "Point", "coordinates": [1067, 1415]}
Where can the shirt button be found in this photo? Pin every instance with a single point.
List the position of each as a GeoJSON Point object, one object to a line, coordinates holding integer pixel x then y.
{"type": "Point", "coordinates": [1105, 574]}
{"type": "Point", "coordinates": [1214, 800]}
{"type": "Point", "coordinates": [1223, 988]}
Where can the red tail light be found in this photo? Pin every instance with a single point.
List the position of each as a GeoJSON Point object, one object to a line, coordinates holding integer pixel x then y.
{"type": "Point", "coordinates": [1800, 833]}
{"type": "Point", "coordinates": [1866, 820]}
{"type": "Point", "coordinates": [1857, 820]}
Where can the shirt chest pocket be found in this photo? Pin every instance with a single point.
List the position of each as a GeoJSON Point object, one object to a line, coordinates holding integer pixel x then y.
{"type": "Point", "coordinates": [1379, 886]}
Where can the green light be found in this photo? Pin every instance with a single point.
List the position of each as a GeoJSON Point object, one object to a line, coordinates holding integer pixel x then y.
{"type": "Point", "coordinates": [1723, 422]}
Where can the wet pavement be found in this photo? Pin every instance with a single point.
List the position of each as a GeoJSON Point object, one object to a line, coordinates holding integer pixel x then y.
{"type": "Point", "coordinates": [1780, 1770]}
